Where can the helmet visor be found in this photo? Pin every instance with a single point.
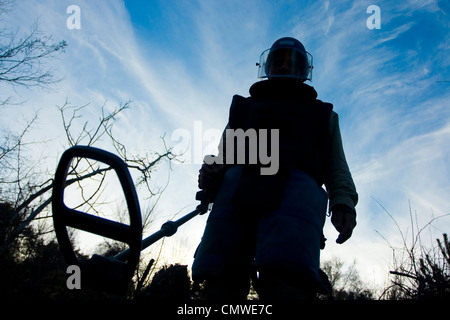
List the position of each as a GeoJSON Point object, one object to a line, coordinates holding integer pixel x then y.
{"type": "Point", "coordinates": [285, 62]}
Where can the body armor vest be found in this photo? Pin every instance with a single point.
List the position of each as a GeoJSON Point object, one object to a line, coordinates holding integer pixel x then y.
{"type": "Point", "coordinates": [303, 130]}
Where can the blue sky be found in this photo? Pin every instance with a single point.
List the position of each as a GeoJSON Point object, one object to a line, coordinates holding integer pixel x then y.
{"type": "Point", "coordinates": [182, 61]}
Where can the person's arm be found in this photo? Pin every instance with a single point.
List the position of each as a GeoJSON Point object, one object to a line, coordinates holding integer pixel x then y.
{"type": "Point", "coordinates": [339, 184]}
{"type": "Point", "coordinates": [212, 171]}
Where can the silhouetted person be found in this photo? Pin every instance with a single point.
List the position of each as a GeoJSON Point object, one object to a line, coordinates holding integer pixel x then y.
{"type": "Point", "coordinates": [273, 223]}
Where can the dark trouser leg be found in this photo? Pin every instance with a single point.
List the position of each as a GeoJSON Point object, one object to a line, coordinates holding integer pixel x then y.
{"type": "Point", "coordinates": [277, 284]}
{"type": "Point", "coordinates": [227, 288]}
{"type": "Point", "coordinates": [233, 283]}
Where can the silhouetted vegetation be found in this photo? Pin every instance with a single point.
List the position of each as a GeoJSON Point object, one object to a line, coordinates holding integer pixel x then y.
{"type": "Point", "coordinates": [423, 277]}
{"type": "Point", "coordinates": [421, 271]}
{"type": "Point", "coordinates": [346, 283]}
{"type": "Point", "coordinates": [30, 267]}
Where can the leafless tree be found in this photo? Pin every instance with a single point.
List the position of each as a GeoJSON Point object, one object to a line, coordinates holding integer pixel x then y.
{"type": "Point", "coordinates": [24, 56]}
{"type": "Point", "coordinates": [33, 188]}
{"type": "Point", "coordinates": [22, 64]}
{"type": "Point", "coordinates": [345, 281]}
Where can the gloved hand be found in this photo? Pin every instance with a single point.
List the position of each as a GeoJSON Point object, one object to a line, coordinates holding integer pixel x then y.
{"type": "Point", "coordinates": [210, 177]}
{"type": "Point", "coordinates": [344, 220]}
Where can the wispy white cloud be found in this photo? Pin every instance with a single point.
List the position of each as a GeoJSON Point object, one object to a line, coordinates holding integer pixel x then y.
{"type": "Point", "coordinates": [393, 34]}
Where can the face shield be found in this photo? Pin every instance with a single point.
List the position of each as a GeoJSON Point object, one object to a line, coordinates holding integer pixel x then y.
{"type": "Point", "coordinates": [285, 62]}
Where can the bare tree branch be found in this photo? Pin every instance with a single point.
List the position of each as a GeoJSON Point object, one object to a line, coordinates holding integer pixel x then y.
{"type": "Point", "coordinates": [22, 59]}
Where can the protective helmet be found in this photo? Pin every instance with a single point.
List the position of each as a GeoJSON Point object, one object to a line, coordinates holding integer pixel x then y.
{"type": "Point", "coordinates": [286, 58]}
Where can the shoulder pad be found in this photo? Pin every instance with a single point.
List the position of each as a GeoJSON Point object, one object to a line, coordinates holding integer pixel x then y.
{"type": "Point", "coordinates": [239, 111]}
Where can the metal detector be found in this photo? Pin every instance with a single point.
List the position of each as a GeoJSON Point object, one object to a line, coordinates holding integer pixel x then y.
{"type": "Point", "coordinates": [111, 274]}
